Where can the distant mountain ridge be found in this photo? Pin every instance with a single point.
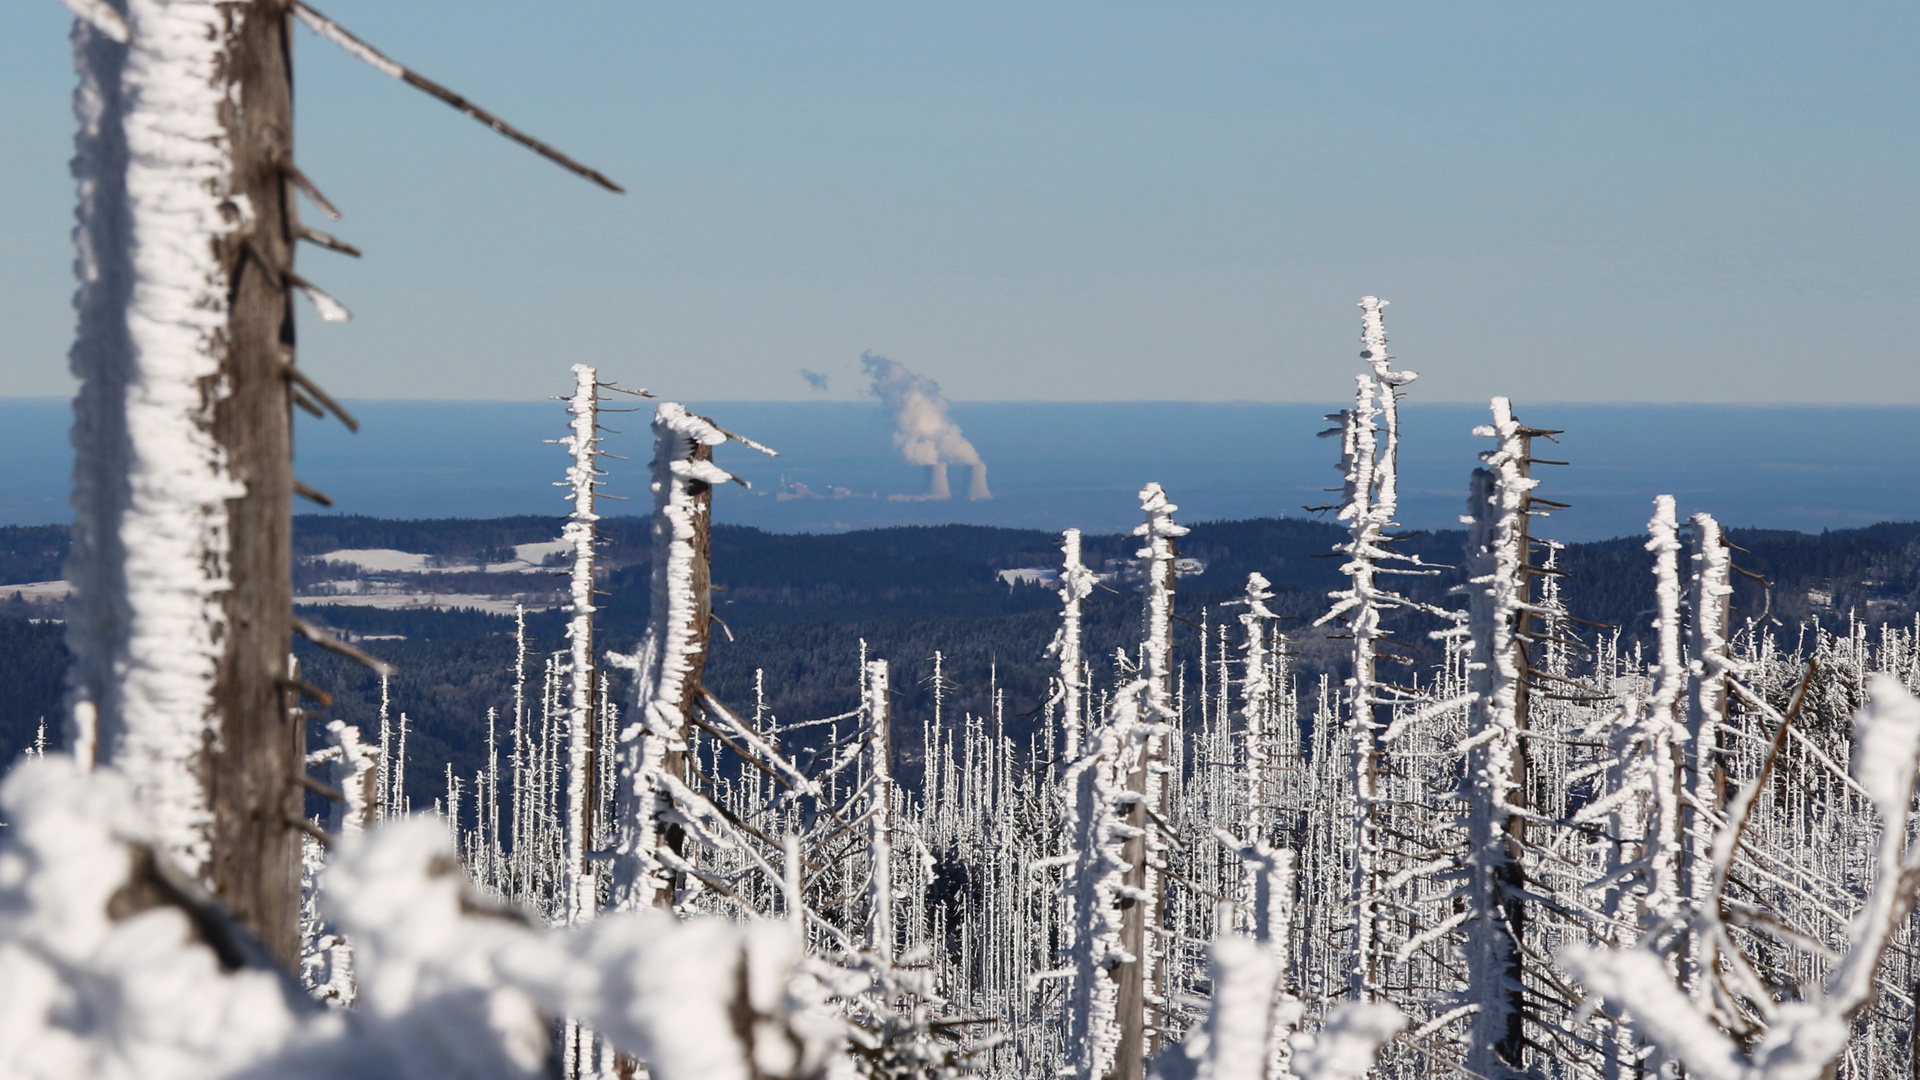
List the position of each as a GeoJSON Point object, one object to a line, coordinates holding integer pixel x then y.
{"type": "Point", "coordinates": [801, 608]}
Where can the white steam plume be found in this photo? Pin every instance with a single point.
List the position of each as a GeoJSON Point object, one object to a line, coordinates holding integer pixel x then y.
{"type": "Point", "coordinates": [923, 432]}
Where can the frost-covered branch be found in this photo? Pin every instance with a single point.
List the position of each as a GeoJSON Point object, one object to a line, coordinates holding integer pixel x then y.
{"type": "Point", "coordinates": [1807, 1036]}
{"type": "Point", "coordinates": [880, 932]}
{"type": "Point", "coordinates": [1098, 828]}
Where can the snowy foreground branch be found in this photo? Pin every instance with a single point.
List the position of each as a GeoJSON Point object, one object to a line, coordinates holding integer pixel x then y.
{"type": "Point", "coordinates": [1805, 1037]}
{"type": "Point", "coordinates": [1248, 1014]}
{"type": "Point", "coordinates": [112, 968]}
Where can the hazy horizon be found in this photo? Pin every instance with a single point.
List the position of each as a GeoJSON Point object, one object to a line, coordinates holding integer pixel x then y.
{"type": "Point", "coordinates": [1052, 465]}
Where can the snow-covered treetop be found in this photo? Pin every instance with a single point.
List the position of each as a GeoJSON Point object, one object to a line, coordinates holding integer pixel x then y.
{"type": "Point", "coordinates": [1159, 525]}
{"type": "Point", "coordinates": [1373, 338]}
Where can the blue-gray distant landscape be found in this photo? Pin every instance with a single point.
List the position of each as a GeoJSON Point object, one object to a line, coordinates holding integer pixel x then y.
{"type": "Point", "coordinates": [1054, 465]}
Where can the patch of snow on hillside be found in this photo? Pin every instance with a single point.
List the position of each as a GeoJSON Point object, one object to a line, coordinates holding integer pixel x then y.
{"type": "Point", "coordinates": [379, 560]}
{"type": "Point", "coordinates": [495, 605]}
{"type": "Point", "coordinates": [35, 592]}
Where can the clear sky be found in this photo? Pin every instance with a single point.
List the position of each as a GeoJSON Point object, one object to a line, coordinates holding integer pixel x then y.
{"type": "Point", "coordinates": [1569, 202]}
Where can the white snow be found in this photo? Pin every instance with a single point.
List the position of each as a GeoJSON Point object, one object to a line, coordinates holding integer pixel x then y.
{"type": "Point", "coordinates": [527, 558]}
{"type": "Point", "coordinates": [495, 605]}
{"type": "Point", "coordinates": [150, 482]}
{"type": "Point", "coordinates": [448, 986]}
{"type": "Point", "coordinates": [379, 560]}
{"type": "Point", "coordinates": [535, 555]}
{"type": "Point", "coordinates": [36, 592]}
{"type": "Point", "coordinates": [1346, 1046]}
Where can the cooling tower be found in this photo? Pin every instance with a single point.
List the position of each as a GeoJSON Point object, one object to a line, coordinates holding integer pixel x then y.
{"type": "Point", "coordinates": [937, 481]}
{"type": "Point", "coordinates": [977, 488]}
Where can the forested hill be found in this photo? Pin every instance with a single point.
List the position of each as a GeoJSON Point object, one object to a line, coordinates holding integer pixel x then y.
{"type": "Point", "coordinates": [797, 607]}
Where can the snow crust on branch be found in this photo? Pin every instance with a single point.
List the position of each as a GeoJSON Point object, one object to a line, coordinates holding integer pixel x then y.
{"type": "Point", "coordinates": [1645, 800]}
{"type": "Point", "coordinates": [149, 560]}
{"type": "Point", "coordinates": [351, 763]}
{"type": "Point", "coordinates": [1710, 665]}
{"type": "Point", "coordinates": [1348, 1043]}
{"type": "Point", "coordinates": [1247, 1015]}
{"type": "Point", "coordinates": [1257, 693]}
{"type": "Point", "coordinates": [1144, 746]}
{"type": "Point", "coordinates": [449, 986]}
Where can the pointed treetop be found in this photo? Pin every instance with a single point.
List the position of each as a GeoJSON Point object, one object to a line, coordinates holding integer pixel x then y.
{"type": "Point", "coordinates": [1373, 341]}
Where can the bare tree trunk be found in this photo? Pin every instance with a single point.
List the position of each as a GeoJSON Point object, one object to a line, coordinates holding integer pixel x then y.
{"type": "Point", "coordinates": [252, 765]}
{"type": "Point", "coordinates": [669, 685]}
{"type": "Point", "coordinates": [183, 441]}
{"type": "Point", "coordinates": [1512, 875]}
{"type": "Point", "coordinates": [1144, 776]}
{"type": "Point", "coordinates": [698, 629]}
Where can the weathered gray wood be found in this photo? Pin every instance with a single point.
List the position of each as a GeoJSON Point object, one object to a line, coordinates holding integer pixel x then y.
{"type": "Point", "coordinates": [255, 866]}
{"type": "Point", "coordinates": [1130, 1058]}
{"type": "Point", "coordinates": [675, 763]}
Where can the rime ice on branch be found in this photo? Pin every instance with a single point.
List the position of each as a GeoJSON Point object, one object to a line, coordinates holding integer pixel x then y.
{"type": "Point", "coordinates": [880, 935]}
{"type": "Point", "coordinates": [1806, 1036]}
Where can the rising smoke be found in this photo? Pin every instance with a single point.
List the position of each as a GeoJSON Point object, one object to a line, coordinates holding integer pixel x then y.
{"type": "Point", "coordinates": [923, 432]}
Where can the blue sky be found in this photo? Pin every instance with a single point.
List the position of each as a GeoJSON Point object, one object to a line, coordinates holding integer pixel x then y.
{"type": "Point", "coordinates": [1565, 202]}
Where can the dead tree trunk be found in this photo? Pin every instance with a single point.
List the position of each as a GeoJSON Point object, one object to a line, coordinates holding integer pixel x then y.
{"type": "Point", "coordinates": [181, 614]}
{"type": "Point", "coordinates": [252, 765]}
{"type": "Point", "coordinates": [698, 628]}
{"type": "Point", "coordinates": [183, 440]}
{"type": "Point", "coordinates": [1138, 982]}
